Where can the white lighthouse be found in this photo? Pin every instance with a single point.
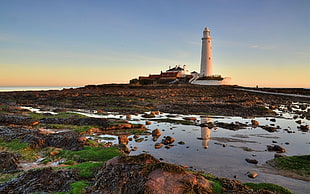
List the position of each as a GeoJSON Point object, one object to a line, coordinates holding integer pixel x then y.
{"type": "Point", "coordinates": [206, 54]}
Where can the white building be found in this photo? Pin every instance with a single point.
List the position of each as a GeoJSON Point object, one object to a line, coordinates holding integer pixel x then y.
{"type": "Point", "coordinates": [206, 54]}
{"type": "Point", "coordinates": [206, 76]}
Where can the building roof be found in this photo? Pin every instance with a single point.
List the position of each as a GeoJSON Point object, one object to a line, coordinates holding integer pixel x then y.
{"type": "Point", "coordinates": [170, 74]}
{"type": "Point", "coordinates": [154, 76]}
{"type": "Point", "coordinates": [176, 69]}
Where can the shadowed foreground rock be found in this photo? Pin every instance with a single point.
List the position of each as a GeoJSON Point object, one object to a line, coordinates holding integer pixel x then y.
{"type": "Point", "coordinates": [146, 174]}
{"type": "Point", "coordinates": [44, 180]}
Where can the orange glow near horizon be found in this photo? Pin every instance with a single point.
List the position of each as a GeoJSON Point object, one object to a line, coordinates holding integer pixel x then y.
{"type": "Point", "coordinates": [75, 77]}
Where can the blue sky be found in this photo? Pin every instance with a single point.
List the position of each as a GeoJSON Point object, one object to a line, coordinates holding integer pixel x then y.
{"type": "Point", "coordinates": [74, 43]}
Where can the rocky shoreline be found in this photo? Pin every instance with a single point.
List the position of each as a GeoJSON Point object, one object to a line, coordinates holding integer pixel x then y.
{"type": "Point", "coordinates": [130, 99]}
{"type": "Point", "coordinates": [59, 138]}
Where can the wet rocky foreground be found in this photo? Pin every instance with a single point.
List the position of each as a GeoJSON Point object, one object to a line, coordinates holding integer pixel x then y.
{"type": "Point", "coordinates": [52, 138]}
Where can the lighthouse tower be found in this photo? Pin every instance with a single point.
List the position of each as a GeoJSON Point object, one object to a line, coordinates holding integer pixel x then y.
{"type": "Point", "coordinates": [206, 54]}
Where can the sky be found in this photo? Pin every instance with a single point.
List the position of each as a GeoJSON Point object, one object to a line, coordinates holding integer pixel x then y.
{"type": "Point", "coordinates": [81, 42]}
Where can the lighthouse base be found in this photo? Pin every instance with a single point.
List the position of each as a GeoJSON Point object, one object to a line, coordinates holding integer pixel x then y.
{"type": "Point", "coordinates": [223, 81]}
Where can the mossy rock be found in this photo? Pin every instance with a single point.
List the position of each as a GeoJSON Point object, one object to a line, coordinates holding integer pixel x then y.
{"type": "Point", "coordinates": [268, 186]}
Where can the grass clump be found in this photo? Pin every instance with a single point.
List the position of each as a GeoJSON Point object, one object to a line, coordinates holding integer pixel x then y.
{"type": "Point", "coordinates": [216, 186]}
{"type": "Point", "coordinates": [91, 154]}
{"type": "Point", "coordinates": [16, 146]}
{"type": "Point", "coordinates": [78, 187]}
{"type": "Point", "coordinates": [86, 169]}
{"type": "Point", "coordinates": [296, 164]}
{"type": "Point", "coordinates": [268, 186]}
{"type": "Point", "coordinates": [4, 177]}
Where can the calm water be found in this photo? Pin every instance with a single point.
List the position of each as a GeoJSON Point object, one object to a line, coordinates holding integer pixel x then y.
{"type": "Point", "coordinates": [204, 150]}
{"type": "Point", "coordinates": [9, 89]}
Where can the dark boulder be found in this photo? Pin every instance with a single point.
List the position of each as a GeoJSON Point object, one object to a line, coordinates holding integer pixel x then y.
{"type": "Point", "coordinates": [67, 140]}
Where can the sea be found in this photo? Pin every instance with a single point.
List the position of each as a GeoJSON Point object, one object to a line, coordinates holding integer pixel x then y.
{"type": "Point", "coordinates": [41, 88]}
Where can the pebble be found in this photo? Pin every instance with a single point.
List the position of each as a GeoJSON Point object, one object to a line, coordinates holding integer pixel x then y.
{"type": "Point", "coordinates": [251, 160]}
{"type": "Point", "coordinates": [252, 174]}
{"type": "Point", "coordinates": [158, 145]}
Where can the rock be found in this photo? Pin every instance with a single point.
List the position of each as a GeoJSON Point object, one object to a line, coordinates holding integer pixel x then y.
{"type": "Point", "coordinates": [272, 106]}
{"type": "Point", "coordinates": [276, 148]}
{"type": "Point", "coordinates": [124, 148]}
{"type": "Point", "coordinates": [156, 133]}
{"type": "Point", "coordinates": [35, 123]}
{"type": "Point", "coordinates": [123, 139]}
{"type": "Point", "coordinates": [94, 130]}
{"type": "Point", "coordinates": [277, 155]}
{"type": "Point", "coordinates": [254, 122]}
{"type": "Point", "coordinates": [139, 140]}
{"type": "Point", "coordinates": [146, 174]}
{"type": "Point", "coordinates": [304, 128]}
{"type": "Point", "coordinates": [232, 126]}
{"type": "Point", "coordinates": [168, 140]}
{"type": "Point", "coordinates": [125, 126]}
{"type": "Point", "coordinates": [273, 120]}
{"type": "Point", "coordinates": [269, 128]}
{"type": "Point", "coordinates": [54, 153]}
{"type": "Point", "coordinates": [134, 149]}
{"type": "Point", "coordinates": [148, 115]}
{"type": "Point", "coordinates": [148, 122]}
{"type": "Point", "coordinates": [251, 160]}
{"type": "Point", "coordinates": [45, 180]}
{"type": "Point", "coordinates": [190, 118]}
{"type": "Point", "coordinates": [67, 140]}
{"type": "Point", "coordinates": [128, 117]}
{"type": "Point", "coordinates": [136, 136]}
{"type": "Point", "coordinates": [158, 145]}
{"type": "Point", "coordinates": [8, 162]}
{"type": "Point", "coordinates": [298, 122]}
{"type": "Point", "coordinates": [181, 142]}
{"type": "Point", "coordinates": [168, 146]}
{"type": "Point", "coordinates": [252, 174]}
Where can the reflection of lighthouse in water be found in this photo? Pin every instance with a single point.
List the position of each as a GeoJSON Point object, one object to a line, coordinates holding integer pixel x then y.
{"type": "Point", "coordinates": [205, 132]}
{"type": "Point", "coordinates": [205, 136]}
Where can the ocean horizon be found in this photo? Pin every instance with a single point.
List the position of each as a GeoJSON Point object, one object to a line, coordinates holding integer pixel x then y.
{"type": "Point", "coordinates": [45, 88]}
{"type": "Point", "coordinates": [31, 88]}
